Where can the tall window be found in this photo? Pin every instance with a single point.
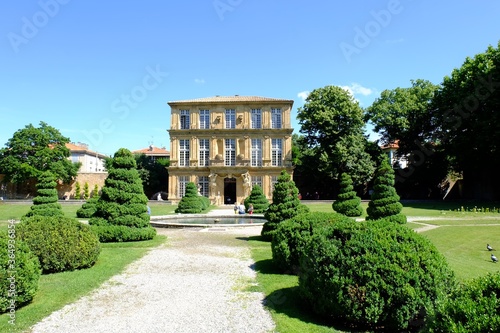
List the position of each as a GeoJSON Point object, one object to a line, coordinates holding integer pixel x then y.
{"type": "Point", "coordinates": [256, 118]}
{"type": "Point", "coordinates": [183, 180]}
{"type": "Point", "coordinates": [204, 119]}
{"type": "Point", "coordinates": [256, 156]}
{"type": "Point", "coordinates": [230, 118]}
{"type": "Point", "coordinates": [203, 185]}
{"type": "Point", "coordinates": [230, 159]}
{"type": "Point", "coordinates": [185, 119]}
{"type": "Point", "coordinates": [204, 152]}
{"type": "Point", "coordinates": [276, 118]}
{"type": "Point", "coordinates": [276, 152]}
{"type": "Point", "coordinates": [183, 152]}
{"type": "Point", "coordinates": [257, 180]}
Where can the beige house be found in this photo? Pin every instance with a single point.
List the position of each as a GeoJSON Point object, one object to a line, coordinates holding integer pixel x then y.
{"type": "Point", "coordinates": [227, 144]}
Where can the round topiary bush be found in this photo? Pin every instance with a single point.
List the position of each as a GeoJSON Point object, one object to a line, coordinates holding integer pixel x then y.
{"type": "Point", "coordinates": [257, 199]}
{"type": "Point", "coordinates": [384, 203]}
{"type": "Point", "coordinates": [60, 243]}
{"type": "Point", "coordinates": [291, 237]}
{"type": "Point", "coordinates": [473, 307]}
{"type": "Point", "coordinates": [191, 202]}
{"type": "Point", "coordinates": [19, 271]}
{"type": "Point", "coordinates": [373, 275]}
{"type": "Point", "coordinates": [347, 203]}
{"type": "Point", "coordinates": [45, 203]}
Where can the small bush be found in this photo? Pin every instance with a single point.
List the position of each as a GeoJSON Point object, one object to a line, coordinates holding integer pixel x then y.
{"type": "Point", "coordinates": [86, 191]}
{"type": "Point", "coordinates": [258, 200]}
{"type": "Point", "coordinates": [60, 243]}
{"type": "Point", "coordinates": [347, 203]}
{"type": "Point", "coordinates": [190, 202]}
{"type": "Point", "coordinates": [473, 307]}
{"type": "Point", "coordinates": [371, 275]}
{"type": "Point", "coordinates": [291, 237]}
{"type": "Point", "coordinates": [88, 208]}
{"type": "Point", "coordinates": [118, 233]}
{"type": "Point", "coordinates": [19, 272]}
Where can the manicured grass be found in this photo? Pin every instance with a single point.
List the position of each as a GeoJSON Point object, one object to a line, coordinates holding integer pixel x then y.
{"type": "Point", "coordinates": [57, 290]}
{"type": "Point", "coordinates": [465, 248]}
{"type": "Point", "coordinates": [17, 210]}
{"type": "Point", "coordinates": [289, 312]}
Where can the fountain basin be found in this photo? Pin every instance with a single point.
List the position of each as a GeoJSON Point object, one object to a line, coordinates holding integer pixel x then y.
{"type": "Point", "coordinates": [206, 221]}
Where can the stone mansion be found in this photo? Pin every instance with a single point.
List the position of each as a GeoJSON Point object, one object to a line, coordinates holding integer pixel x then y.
{"type": "Point", "coordinates": [227, 144]}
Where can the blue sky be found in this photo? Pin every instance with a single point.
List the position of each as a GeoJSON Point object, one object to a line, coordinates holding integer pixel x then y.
{"type": "Point", "coordinates": [102, 72]}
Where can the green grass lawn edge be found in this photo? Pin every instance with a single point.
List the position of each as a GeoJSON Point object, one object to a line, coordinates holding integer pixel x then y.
{"type": "Point", "coordinates": [59, 289]}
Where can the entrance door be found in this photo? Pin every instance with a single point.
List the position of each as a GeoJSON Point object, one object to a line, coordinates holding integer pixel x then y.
{"type": "Point", "coordinates": [229, 191]}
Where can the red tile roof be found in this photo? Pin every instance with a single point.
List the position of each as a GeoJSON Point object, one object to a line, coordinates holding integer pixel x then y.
{"type": "Point", "coordinates": [152, 151]}
{"type": "Point", "coordinates": [82, 148]}
{"type": "Point", "coordinates": [231, 99]}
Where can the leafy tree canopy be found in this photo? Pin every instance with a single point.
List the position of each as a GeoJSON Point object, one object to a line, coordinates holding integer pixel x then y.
{"type": "Point", "coordinates": [332, 123]}
{"type": "Point", "coordinates": [33, 150]}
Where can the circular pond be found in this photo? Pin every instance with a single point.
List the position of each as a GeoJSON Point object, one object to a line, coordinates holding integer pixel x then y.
{"type": "Point", "coordinates": [186, 221]}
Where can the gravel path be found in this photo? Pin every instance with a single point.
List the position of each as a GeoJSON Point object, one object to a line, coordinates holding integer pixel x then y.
{"type": "Point", "coordinates": [194, 283]}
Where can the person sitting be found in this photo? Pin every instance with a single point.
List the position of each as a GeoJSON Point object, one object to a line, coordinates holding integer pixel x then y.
{"type": "Point", "coordinates": [241, 209]}
{"type": "Point", "coordinates": [250, 209]}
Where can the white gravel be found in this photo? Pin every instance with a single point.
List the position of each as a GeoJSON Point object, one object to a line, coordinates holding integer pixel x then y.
{"type": "Point", "coordinates": [195, 283]}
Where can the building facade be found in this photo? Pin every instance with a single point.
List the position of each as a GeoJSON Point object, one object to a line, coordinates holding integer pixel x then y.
{"type": "Point", "coordinates": [227, 144]}
{"type": "Point", "coordinates": [91, 160]}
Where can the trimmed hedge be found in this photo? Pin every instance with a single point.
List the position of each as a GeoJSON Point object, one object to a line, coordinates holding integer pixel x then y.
{"type": "Point", "coordinates": [122, 203]}
{"type": "Point", "coordinates": [19, 271]}
{"type": "Point", "coordinates": [347, 203]}
{"type": "Point", "coordinates": [60, 243]}
{"type": "Point", "coordinates": [291, 237]}
{"type": "Point", "coordinates": [45, 203]}
{"type": "Point", "coordinates": [88, 208]}
{"type": "Point", "coordinates": [384, 203]}
{"type": "Point", "coordinates": [257, 199]}
{"type": "Point", "coordinates": [473, 307]}
{"type": "Point", "coordinates": [371, 275]}
{"type": "Point", "coordinates": [285, 205]}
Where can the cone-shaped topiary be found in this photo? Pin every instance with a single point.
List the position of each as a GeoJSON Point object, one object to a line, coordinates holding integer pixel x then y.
{"type": "Point", "coordinates": [347, 203]}
{"type": "Point", "coordinates": [45, 202]}
{"type": "Point", "coordinates": [191, 202]}
{"type": "Point", "coordinates": [257, 199]}
{"type": "Point", "coordinates": [384, 202]}
{"type": "Point", "coordinates": [121, 213]}
{"type": "Point", "coordinates": [286, 204]}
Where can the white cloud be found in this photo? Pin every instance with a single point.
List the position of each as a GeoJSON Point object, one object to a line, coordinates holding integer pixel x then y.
{"type": "Point", "coordinates": [199, 81]}
{"type": "Point", "coordinates": [303, 95]}
{"type": "Point", "coordinates": [357, 89]}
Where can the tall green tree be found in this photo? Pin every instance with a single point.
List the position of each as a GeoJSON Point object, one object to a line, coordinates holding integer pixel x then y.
{"type": "Point", "coordinates": [33, 150]}
{"type": "Point", "coordinates": [121, 212]}
{"type": "Point", "coordinates": [405, 116]}
{"type": "Point", "coordinates": [467, 111]}
{"type": "Point", "coordinates": [332, 123]}
{"type": "Point", "coordinates": [285, 205]}
{"type": "Point", "coordinates": [153, 173]}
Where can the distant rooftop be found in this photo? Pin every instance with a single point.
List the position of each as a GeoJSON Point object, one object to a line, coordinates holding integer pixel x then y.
{"type": "Point", "coordinates": [82, 148]}
{"type": "Point", "coordinates": [152, 151]}
{"type": "Point", "coordinates": [231, 99]}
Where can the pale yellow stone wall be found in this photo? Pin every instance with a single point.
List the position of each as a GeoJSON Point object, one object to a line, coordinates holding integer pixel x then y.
{"type": "Point", "coordinates": [217, 134]}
